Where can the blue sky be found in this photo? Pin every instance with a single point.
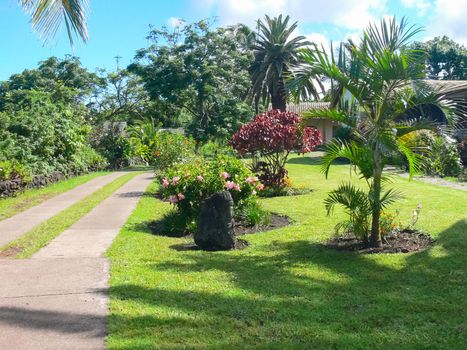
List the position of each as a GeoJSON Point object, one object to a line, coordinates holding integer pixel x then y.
{"type": "Point", "coordinates": [119, 27]}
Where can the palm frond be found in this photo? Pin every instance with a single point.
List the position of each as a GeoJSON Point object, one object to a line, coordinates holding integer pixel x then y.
{"type": "Point", "coordinates": [48, 16]}
{"type": "Point", "coordinates": [359, 157]}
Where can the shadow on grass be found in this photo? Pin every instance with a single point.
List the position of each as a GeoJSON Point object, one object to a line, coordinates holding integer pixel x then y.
{"type": "Point", "coordinates": [303, 295]}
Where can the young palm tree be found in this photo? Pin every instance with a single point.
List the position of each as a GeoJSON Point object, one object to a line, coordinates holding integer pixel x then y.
{"type": "Point", "coordinates": [275, 52]}
{"type": "Point", "coordinates": [47, 16]}
{"type": "Point", "coordinates": [377, 79]}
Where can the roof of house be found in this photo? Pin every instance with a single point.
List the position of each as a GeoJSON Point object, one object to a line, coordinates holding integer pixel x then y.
{"type": "Point", "coordinates": [302, 107]}
{"type": "Point", "coordinates": [448, 87]}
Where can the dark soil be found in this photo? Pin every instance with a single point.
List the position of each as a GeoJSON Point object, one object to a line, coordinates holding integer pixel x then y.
{"type": "Point", "coordinates": [276, 221]}
{"type": "Point", "coordinates": [240, 228]}
{"type": "Point", "coordinates": [11, 252]}
{"type": "Point", "coordinates": [404, 242]}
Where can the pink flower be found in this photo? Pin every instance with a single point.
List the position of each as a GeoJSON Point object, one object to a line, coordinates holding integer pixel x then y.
{"type": "Point", "coordinates": [173, 199]}
{"type": "Point", "coordinates": [225, 175]}
{"type": "Point", "coordinates": [250, 180]}
{"type": "Point", "coordinates": [175, 180]}
{"type": "Point", "coordinates": [260, 187]}
{"type": "Point", "coordinates": [199, 178]}
{"type": "Point", "coordinates": [165, 183]}
{"type": "Point", "coordinates": [180, 196]}
{"type": "Point", "coordinates": [237, 188]}
{"type": "Point", "coordinates": [229, 185]}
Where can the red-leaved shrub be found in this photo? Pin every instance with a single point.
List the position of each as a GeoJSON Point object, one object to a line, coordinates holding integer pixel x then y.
{"type": "Point", "coordinates": [269, 138]}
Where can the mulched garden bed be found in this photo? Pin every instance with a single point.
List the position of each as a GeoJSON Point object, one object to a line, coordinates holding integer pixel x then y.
{"type": "Point", "coordinates": [276, 221]}
{"type": "Point", "coordinates": [404, 242]}
{"type": "Point", "coordinates": [240, 228]}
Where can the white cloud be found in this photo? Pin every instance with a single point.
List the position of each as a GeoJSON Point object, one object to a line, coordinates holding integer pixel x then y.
{"type": "Point", "coordinates": [350, 14]}
{"type": "Point", "coordinates": [175, 22]}
{"type": "Point", "coordinates": [449, 18]}
{"type": "Point", "coordinates": [421, 5]}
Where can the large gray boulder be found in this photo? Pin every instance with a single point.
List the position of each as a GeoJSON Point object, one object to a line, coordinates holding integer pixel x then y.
{"type": "Point", "coordinates": [215, 229]}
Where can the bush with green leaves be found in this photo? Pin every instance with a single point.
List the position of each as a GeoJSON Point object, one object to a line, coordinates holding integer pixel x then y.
{"type": "Point", "coordinates": [13, 170]}
{"type": "Point", "coordinates": [439, 155]}
{"type": "Point", "coordinates": [169, 149]}
{"type": "Point", "coordinates": [187, 185]}
{"type": "Point", "coordinates": [442, 158]}
{"type": "Point", "coordinates": [211, 149]}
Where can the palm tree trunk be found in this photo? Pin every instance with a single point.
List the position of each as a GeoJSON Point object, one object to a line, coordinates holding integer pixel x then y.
{"type": "Point", "coordinates": [278, 96]}
{"type": "Point", "coordinates": [375, 236]}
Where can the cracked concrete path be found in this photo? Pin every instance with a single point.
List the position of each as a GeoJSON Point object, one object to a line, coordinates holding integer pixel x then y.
{"type": "Point", "coordinates": [58, 299]}
{"type": "Point", "coordinates": [19, 224]}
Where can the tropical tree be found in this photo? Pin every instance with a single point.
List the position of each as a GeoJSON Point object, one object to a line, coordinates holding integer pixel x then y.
{"type": "Point", "coordinates": [377, 78]}
{"type": "Point", "coordinates": [200, 72]}
{"type": "Point", "coordinates": [275, 52]}
{"type": "Point", "coordinates": [47, 17]}
{"type": "Point", "coordinates": [445, 59]}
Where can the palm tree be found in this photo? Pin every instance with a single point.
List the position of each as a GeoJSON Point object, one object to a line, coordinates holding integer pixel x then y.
{"type": "Point", "coordinates": [47, 16]}
{"type": "Point", "coordinates": [275, 52]}
{"type": "Point", "coordinates": [377, 79]}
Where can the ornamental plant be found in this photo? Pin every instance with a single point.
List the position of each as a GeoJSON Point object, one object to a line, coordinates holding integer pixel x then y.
{"type": "Point", "coordinates": [269, 138]}
{"type": "Point", "coordinates": [187, 185]}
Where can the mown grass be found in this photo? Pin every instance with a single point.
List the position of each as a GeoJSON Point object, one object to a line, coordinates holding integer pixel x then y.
{"type": "Point", "coordinates": [287, 291]}
{"type": "Point", "coordinates": [29, 198]}
{"type": "Point", "coordinates": [41, 235]}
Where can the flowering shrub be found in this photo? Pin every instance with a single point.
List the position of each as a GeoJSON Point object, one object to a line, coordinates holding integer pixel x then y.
{"type": "Point", "coordinates": [388, 224]}
{"type": "Point", "coordinates": [186, 185]}
{"type": "Point", "coordinates": [269, 138]}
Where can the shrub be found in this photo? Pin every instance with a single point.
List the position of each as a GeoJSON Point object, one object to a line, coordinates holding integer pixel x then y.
{"type": "Point", "coordinates": [211, 149]}
{"type": "Point", "coordinates": [169, 149]}
{"type": "Point", "coordinates": [186, 185]}
{"type": "Point", "coordinates": [13, 170]}
{"type": "Point", "coordinates": [462, 146]}
{"type": "Point", "coordinates": [109, 140]}
{"type": "Point", "coordinates": [442, 157]}
{"type": "Point", "coordinates": [269, 138]}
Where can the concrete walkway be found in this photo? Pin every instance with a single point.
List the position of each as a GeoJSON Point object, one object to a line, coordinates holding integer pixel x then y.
{"type": "Point", "coordinates": [19, 224]}
{"type": "Point", "coordinates": [58, 299]}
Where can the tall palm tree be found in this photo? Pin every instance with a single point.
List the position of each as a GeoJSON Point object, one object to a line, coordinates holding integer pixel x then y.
{"type": "Point", "coordinates": [377, 78]}
{"type": "Point", "coordinates": [47, 16]}
{"type": "Point", "coordinates": [275, 52]}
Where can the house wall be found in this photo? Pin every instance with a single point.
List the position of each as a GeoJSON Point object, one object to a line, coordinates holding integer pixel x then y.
{"type": "Point", "coordinates": [325, 127]}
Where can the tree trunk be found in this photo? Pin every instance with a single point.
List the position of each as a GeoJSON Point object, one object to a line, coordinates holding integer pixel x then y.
{"type": "Point", "coordinates": [278, 96]}
{"type": "Point", "coordinates": [375, 237]}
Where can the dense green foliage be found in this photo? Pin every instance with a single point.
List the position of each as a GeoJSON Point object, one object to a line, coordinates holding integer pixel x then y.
{"type": "Point", "coordinates": [198, 71]}
{"type": "Point", "coordinates": [43, 118]}
{"type": "Point", "coordinates": [444, 58]}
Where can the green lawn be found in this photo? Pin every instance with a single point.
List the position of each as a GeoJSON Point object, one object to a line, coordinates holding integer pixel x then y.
{"type": "Point", "coordinates": [286, 291]}
{"type": "Point", "coordinates": [41, 235]}
{"type": "Point", "coordinates": [29, 198]}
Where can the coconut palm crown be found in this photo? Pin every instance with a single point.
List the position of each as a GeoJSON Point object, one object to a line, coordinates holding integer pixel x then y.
{"type": "Point", "coordinates": [47, 17]}
{"type": "Point", "coordinates": [379, 94]}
